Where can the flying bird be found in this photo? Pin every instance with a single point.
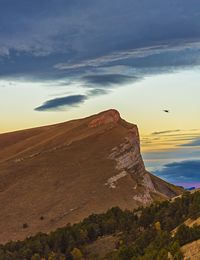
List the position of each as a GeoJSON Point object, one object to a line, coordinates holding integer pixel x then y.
{"type": "Point", "coordinates": [166, 110]}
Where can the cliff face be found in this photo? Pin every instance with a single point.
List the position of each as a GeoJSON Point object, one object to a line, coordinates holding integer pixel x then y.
{"type": "Point", "coordinates": [127, 153]}
{"type": "Point", "coordinates": [128, 160]}
{"type": "Point", "coordinates": [67, 171]}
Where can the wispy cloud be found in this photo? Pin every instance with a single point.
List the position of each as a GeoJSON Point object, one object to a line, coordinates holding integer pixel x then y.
{"type": "Point", "coordinates": [97, 92]}
{"type": "Point", "coordinates": [107, 80]}
{"type": "Point", "coordinates": [166, 132]}
{"type": "Point", "coordinates": [142, 57]}
{"type": "Point", "coordinates": [171, 139]}
{"type": "Point", "coordinates": [60, 103]}
{"type": "Point", "coordinates": [70, 101]}
{"type": "Point", "coordinates": [195, 142]}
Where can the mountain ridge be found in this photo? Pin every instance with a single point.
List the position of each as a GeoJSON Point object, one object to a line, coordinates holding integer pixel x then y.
{"type": "Point", "coordinates": [64, 172]}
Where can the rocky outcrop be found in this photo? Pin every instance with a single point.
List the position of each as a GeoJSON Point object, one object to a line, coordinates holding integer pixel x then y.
{"type": "Point", "coordinates": [127, 154]}
{"type": "Point", "coordinates": [129, 161]}
{"type": "Point", "coordinates": [110, 116]}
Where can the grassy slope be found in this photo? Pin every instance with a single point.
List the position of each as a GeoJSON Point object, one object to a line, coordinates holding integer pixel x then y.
{"type": "Point", "coordinates": [59, 173]}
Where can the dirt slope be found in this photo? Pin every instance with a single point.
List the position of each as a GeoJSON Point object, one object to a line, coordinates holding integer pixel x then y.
{"type": "Point", "coordinates": [191, 251]}
{"type": "Point", "coordinates": [53, 175]}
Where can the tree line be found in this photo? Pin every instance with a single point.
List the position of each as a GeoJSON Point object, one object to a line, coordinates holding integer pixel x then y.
{"type": "Point", "coordinates": [144, 233]}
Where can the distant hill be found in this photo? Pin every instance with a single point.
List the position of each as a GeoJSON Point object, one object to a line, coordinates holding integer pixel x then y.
{"type": "Point", "coordinates": [62, 173]}
{"type": "Point", "coordinates": [191, 188]}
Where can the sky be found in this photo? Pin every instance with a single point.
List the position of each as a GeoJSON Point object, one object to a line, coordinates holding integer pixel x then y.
{"type": "Point", "coordinates": [61, 60]}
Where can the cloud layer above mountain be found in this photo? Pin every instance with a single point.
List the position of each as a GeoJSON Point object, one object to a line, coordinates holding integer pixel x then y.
{"type": "Point", "coordinates": [97, 43]}
{"type": "Point", "coordinates": [181, 173]}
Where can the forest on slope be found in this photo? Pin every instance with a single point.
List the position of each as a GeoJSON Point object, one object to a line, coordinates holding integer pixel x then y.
{"type": "Point", "coordinates": [145, 233]}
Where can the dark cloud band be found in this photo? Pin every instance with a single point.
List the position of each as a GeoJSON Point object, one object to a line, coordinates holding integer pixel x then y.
{"type": "Point", "coordinates": [78, 47]}
{"type": "Point", "coordinates": [181, 172]}
{"type": "Point", "coordinates": [105, 80]}
{"type": "Point", "coordinates": [60, 103]}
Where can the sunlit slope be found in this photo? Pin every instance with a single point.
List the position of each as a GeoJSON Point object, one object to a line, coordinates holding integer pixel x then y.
{"type": "Point", "coordinates": [53, 175]}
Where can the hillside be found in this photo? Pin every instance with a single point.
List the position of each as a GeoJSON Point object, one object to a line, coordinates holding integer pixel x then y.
{"type": "Point", "coordinates": [53, 175]}
{"type": "Point", "coordinates": [191, 251]}
{"type": "Point", "coordinates": [143, 234]}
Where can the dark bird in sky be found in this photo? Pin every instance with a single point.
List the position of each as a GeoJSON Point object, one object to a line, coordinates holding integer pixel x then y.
{"type": "Point", "coordinates": [166, 110]}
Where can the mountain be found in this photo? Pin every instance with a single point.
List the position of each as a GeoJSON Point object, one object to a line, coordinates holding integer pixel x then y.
{"type": "Point", "coordinates": [56, 174]}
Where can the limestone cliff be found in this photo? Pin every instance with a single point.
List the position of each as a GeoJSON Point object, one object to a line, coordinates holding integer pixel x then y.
{"type": "Point", "coordinates": [128, 160]}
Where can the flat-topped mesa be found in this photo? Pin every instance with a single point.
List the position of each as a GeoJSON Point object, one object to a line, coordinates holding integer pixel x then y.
{"type": "Point", "coordinates": [106, 117]}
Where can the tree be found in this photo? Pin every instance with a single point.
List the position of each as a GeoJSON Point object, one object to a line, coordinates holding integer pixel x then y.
{"type": "Point", "coordinates": [183, 234]}
{"type": "Point", "coordinates": [35, 257]}
{"type": "Point", "coordinates": [76, 254]}
{"type": "Point", "coordinates": [158, 226]}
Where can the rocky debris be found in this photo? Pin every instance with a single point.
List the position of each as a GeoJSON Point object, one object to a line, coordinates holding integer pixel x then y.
{"type": "Point", "coordinates": [145, 198]}
{"type": "Point", "coordinates": [113, 180]}
{"type": "Point", "coordinates": [147, 182]}
{"type": "Point", "coordinates": [110, 116]}
{"type": "Point", "coordinates": [17, 160]}
{"type": "Point", "coordinates": [128, 158]}
{"type": "Point", "coordinates": [129, 161]}
{"type": "Point", "coordinates": [26, 158]}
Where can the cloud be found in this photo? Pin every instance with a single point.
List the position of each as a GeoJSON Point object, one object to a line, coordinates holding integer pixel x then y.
{"type": "Point", "coordinates": [166, 132]}
{"type": "Point", "coordinates": [171, 154]}
{"type": "Point", "coordinates": [171, 139]}
{"type": "Point", "coordinates": [104, 80]}
{"type": "Point", "coordinates": [89, 38]}
{"type": "Point", "coordinates": [193, 143]}
{"type": "Point", "coordinates": [73, 22]}
{"type": "Point", "coordinates": [63, 102]}
{"type": "Point", "coordinates": [181, 172]}
{"type": "Point", "coordinates": [97, 92]}
{"type": "Point", "coordinates": [175, 55]}
{"type": "Point", "coordinates": [70, 101]}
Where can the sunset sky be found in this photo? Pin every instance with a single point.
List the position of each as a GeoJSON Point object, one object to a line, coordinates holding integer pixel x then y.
{"type": "Point", "coordinates": [61, 60]}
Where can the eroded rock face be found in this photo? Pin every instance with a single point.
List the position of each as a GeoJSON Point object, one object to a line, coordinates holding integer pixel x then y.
{"type": "Point", "coordinates": [144, 198]}
{"type": "Point", "coordinates": [147, 182]}
{"type": "Point", "coordinates": [129, 161]}
{"type": "Point", "coordinates": [127, 154]}
{"type": "Point", "coordinates": [110, 116]}
{"type": "Point", "coordinates": [127, 157]}
{"type": "Point", "coordinates": [113, 180]}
